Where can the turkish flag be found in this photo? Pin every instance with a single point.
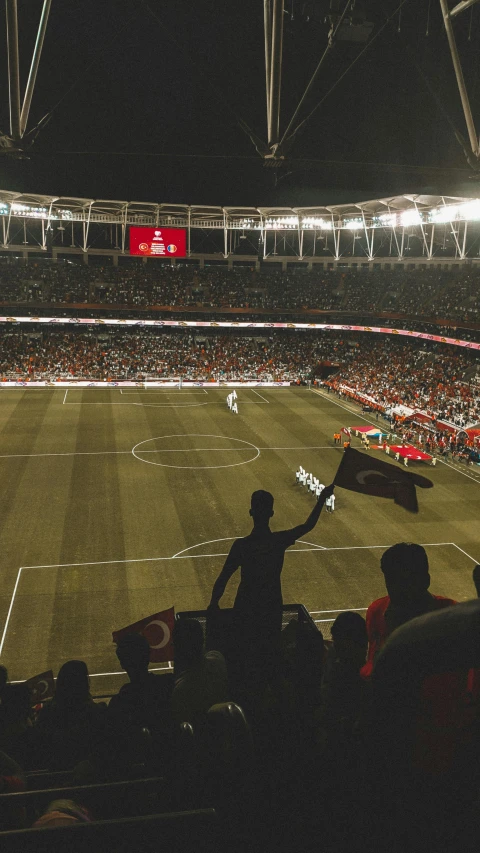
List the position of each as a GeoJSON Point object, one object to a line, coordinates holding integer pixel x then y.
{"type": "Point", "coordinates": [41, 687]}
{"type": "Point", "coordinates": [369, 476]}
{"type": "Point", "coordinates": [158, 631]}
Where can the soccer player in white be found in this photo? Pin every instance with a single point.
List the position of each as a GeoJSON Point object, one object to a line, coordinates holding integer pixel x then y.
{"type": "Point", "coordinates": [319, 489]}
{"type": "Point", "coordinates": [330, 504]}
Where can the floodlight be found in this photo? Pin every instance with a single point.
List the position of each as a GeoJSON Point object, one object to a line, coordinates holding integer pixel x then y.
{"type": "Point", "coordinates": [471, 209]}
{"type": "Point", "coordinates": [410, 217]}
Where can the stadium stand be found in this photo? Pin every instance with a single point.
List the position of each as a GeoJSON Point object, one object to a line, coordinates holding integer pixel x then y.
{"type": "Point", "coordinates": [251, 780]}
{"type": "Point", "coordinates": [433, 294]}
{"type": "Point", "coordinates": [320, 758]}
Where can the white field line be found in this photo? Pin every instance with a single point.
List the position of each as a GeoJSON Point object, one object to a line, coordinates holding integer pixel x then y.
{"type": "Point", "coordinates": [342, 610]}
{"type": "Point", "coordinates": [231, 538]}
{"type": "Point", "coordinates": [464, 473]}
{"type": "Point", "coordinates": [467, 555]}
{"type": "Point", "coordinates": [7, 620]}
{"type": "Point", "coordinates": [165, 393]}
{"type": "Point", "coordinates": [324, 620]}
{"type": "Point", "coordinates": [124, 452]}
{"type": "Point", "coordinates": [180, 557]}
{"type": "Point", "coordinates": [325, 397]}
{"type": "Point", "coordinates": [147, 405]}
{"type": "Point", "coordinates": [117, 672]}
{"type": "Point", "coordinates": [168, 405]}
{"type": "Point", "coordinates": [260, 395]}
{"type": "Point", "coordinates": [65, 397]}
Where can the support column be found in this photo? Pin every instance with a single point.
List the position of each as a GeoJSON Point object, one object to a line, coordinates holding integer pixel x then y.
{"type": "Point", "coordinates": [37, 52]}
{"type": "Point", "coordinates": [276, 72]}
{"type": "Point", "coordinates": [13, 69]}
{"type": "Point", "coordinates": [472, 134]}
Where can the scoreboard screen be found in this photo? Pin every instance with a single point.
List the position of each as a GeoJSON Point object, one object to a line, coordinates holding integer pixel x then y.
{"type": "Point", "coordinates": [158, 242]}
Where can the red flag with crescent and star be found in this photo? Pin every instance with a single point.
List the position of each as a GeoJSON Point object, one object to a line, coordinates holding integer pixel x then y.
{"type": "Point", "coordinates": [41, 687]}
{"type": "Point", "coordinates": [369, 476]}
{"type": "Point", "coordinates": [158, 631]}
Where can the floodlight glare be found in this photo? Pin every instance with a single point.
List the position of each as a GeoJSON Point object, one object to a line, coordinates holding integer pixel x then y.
{"type": "Point", "coordinates": [471, 209]}
{"type": "Point", "coordinates": [410, 217]}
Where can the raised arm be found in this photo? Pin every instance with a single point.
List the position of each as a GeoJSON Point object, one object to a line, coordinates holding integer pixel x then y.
{"type": "Point", "coordinates": [312, 519]}
{"type": "Point", "coordinates": [230, 566]}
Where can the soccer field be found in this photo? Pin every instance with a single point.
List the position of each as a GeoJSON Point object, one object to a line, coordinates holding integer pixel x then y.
{"type": "Point", "coordinates": [117, 503]}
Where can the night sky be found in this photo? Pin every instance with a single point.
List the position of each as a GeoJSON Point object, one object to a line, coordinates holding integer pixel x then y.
{"type": "Point", "coordinates": [154, 91]}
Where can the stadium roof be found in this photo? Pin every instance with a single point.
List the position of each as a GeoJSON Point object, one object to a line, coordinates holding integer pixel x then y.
{"type": "Point", "coordinates": [132, 211]}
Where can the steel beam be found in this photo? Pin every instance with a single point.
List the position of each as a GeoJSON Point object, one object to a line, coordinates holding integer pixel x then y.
{"type": "Point", "coordinates": [267, 28]}
{"type": "Point", "coordinates": [13, 68]}
{"type": "Point", "coordinates": [465, 4]}
{"type": "Point", "coordinates": [37, 52]}
{"type": "Point", "coordinates": [275, 72]}
{"type": "Point", "coordinates": [467, 111]}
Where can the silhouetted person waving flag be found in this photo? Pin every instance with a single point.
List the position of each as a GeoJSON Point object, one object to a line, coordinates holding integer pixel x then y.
{"type": "Point", "coordinates": [260, 556]}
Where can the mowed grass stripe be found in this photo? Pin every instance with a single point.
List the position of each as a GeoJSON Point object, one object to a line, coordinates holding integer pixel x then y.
{"type": "Point", "coordinates": [36, 492]}
{"type": "Point", "coordinates": [194, 504]}
{"type": "Point", "coordinates": [93, 529]}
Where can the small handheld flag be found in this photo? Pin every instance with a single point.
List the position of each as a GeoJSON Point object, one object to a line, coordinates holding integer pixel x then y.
{"type": "Point", "coordinates": [41, 687]}
{"type": "Point", "coordinates": [158, 631]}
{"type": "Point", "coordinates": [369, 476]}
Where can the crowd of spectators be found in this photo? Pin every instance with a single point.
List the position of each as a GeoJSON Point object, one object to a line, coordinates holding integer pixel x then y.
{"type": "Point", "coordinates": [303, 743]}
{"type": "Point", "coordinates": [132, 354]}
{"type": "Point", "coordinates": [434, 378]}
{"type": "Point", "coordinates": [429, 380]}
{"type": "Point", "coordinates": [424, 292]}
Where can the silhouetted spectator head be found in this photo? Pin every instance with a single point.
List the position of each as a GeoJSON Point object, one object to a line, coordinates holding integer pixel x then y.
{"type": "Point", "coordinates": [405, 567]}
{"type": "Point", "coordinates": [3, 677]}
{"type": "Point", "coordinates": [133, 652]}
{"type": "Point", "coordinates": [261, 507]}
{"type": "Point", "coordinates": [73, 685]}
{"type": "Point", "coordinates": [15, 707]}
{"type": "Point", "coordinates": [188, 642]}
{"type": "Point", "coordinates": [476, 579]}
{"type": "Point", "coordinates": [349, 635]}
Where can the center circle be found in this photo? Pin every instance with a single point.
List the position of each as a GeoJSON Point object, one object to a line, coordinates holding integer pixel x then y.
{"type": "Point", "coordinates": [172, 451]}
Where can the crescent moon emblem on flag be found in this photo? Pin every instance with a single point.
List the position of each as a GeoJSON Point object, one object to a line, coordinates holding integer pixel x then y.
{"type": "Point", "coordinates": [166, 633]}
{"type": "Point", "coordinates": [42, 690]}
{"type": "Point", "coordinates": [360, 477]}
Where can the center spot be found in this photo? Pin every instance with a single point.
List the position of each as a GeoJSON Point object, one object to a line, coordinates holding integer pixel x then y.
{"type": "Point", "coordinates": [195, 450]}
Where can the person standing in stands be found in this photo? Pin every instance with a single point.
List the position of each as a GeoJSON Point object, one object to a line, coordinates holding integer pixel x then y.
{"type": "Point", "coordinates": [258, 603]}
{"type": "Point", "coordinates": [476, 579]}
{"type": "Point", "coordinates": [407, 578]}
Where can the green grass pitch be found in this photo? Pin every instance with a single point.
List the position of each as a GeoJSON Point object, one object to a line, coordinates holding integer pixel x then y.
{"type": "Point", "coordinates": [117, 503]}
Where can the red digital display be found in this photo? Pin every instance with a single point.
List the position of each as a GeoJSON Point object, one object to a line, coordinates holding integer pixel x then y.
{"type": "Point", "coordinates": [158, 242]}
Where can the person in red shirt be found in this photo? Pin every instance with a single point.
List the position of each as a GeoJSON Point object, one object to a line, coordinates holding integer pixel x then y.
{"type": "Point", "coordinates": [407, 578]}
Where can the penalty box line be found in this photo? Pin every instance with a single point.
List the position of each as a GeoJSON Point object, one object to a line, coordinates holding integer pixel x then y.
{"type": "Point", "coordinates": [320, 548]}
{"type": "Point", "coordinates": [173, 393]}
